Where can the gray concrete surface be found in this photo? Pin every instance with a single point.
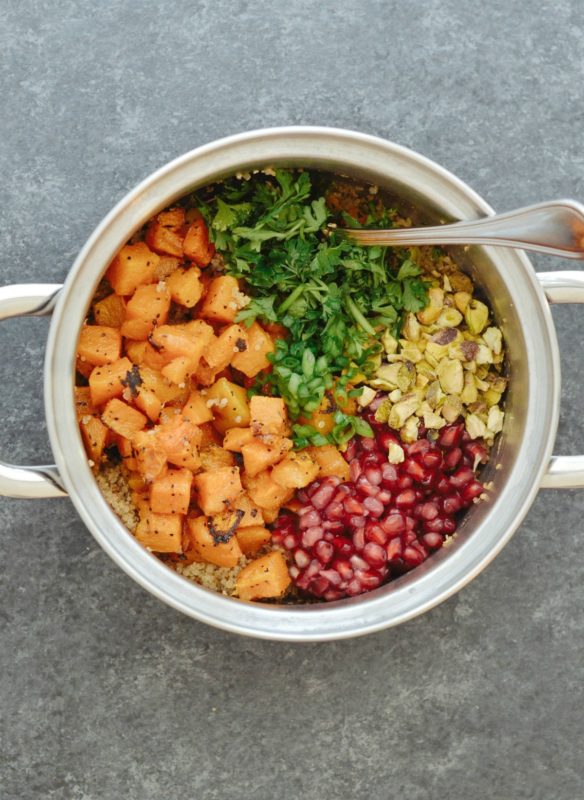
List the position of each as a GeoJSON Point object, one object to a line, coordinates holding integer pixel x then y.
{"type": "Point", "coordinates": [105, 693]}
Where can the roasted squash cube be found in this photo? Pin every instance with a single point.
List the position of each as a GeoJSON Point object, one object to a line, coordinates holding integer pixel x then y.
{"type": "Point", "coordinates": [161, 533]}
{"type": "Point", "coordinates": [148, 403]}
{"type": "Point", "coordinates": [295, 471]}
{"type": "Point", "coordinates": [99, 344]}
{"type": "Point", "coordinates": [220, 352]}
{"type": "Point", "coordinates": [264, 577]}
{"type": "Point", "coordinates": [165, 390]}
{"type": "Point", "coordinates": [265, 492]}
{"type": "Point", "coordinates": [148, 307]}
{"type": "Point", "coordinates": [83, 405]}
{"type": "Point", "coordinates": [185, 287]}
{"type": "Point", "coordinates": [217, 488]}
{"type": "Point", "coordinates": [94, 434]}
{"type": "Point", "coordinates": [196, 409]}
{"type": "Point", "coordinates": [196, 245]}
{"type": "Point", "coordinates": [214, 550]}
{"type": "Point", "coordinates": [213, 456]}
{"type": "Point", "coordinates": [254, 358]}
{"type": "Point", "coordinates": [106, 382]}
{"type": "Point", "coordinates": [252, 539]}
{"type": "Point", "coordinates": [163, 234]}
{"type": "Point", "coordinates": [179, 369]}
{"type": "Point", "coordinates": [134, 265]}
{"type": "Point", "coordinates": [230, 405]}
{"type": "Point", "coordinates": [235, 438]}
{"type": "Point", "coordinates": [172, 493]}
{"type": "Point", "coordinates": [221, 303]}
{"type": "Point", "coordinates": [150, 457]}
{"type": "Point", "coordinates": [330, 461]}
{"type": "Point", "coordinates": [123, 419]}
{"type": "Point", "coordinates": [258, 456]}
{"type": "Point", "coordinates": [268, 416]}
{"type": "Point", "coordinates": [179, 439]}
{"type": "Point", "coordinates": [110, 311]}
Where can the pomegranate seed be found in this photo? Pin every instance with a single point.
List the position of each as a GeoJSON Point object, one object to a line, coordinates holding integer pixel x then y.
{"type": "Point", "coordinates": [311, 536]}
{"type": "Point", "coordinates": [416, 448]}
{"type": "Point", "coordinates": [358, 563]}
{"type": "Point", "coordinates": [373, 475]}
{"type": "Point", "coordinates": [410, 523]}
{"type": "Point", "coordinates": [324, 551]}
{"type": "Point", "coordinates": [384, 496]}
{"type": "Point", "coordinates": [375, 533]}
{"type": "Point", "coordinates": [333, 525]}
{"type": "Point", "coordinates": [434, 525]}
{"type": "Point", "coordinates": [369, 580]}
{"type": "Point", "coordinates": [374, 555]}
{"type": "Point", "coordinates": [323, 496]}
{"type": "Point", "coordinates": [393, 550]}
{"type": "Point", "coordinates": [412, 556]}
{"type": "Point", "coordinates": [351, 450]}
{"type": "Point", "coordinates": [433, 540]}
{"type": "Point", "coordinates": [385, 438]}
{"type": "Point", "coordinates": [415, 470]}
{"type": "Point", "coordinates": [452, 458]}
{"type": "Point", "coordinates": [294, 571]}
{"type": "Point", "coordinates": [357, 521]}
{"type": "Point", "coordinates": [354, 470]}
{"type": "Point", "coordinates": [302, 558]}
{"type": "Point", "coordinates": [406, 499]}
{"type": "Point", "coordinates": [332, 576]}
{"type": "Point", "coordinates": [443, 486]}
{"type": "Point", "coordinates": [452, 503]}
{"type": "Point", "coordinates": [332, 595]}
{"type": "Point", "coordinates": [313, 568]}
{"type": "Point", "coordinates": [388, 475]}
{"type": "Point", "coordinates": [429, 511]}
{"type": "Point", "coordinates": [354, 588]}
{"type": "Point", "coordinates": [405, 482]}
{"type": "Point", "coordinates": [318, 586]}
{"type": "Point", "coordinates": [334, 511]}
{"type": "Point", "coordinates": [393, 524]}
{"type": "Point", "coordinates": [449, 526]}
{"type": "Point", "coordinates": [374, 506]}
{"type": "Point", "coordinates": [365, 488]}
{"type": "Point", "coordinates": [471, 490]}
{"type": "Point", "coordinates": [343, 546]}
{"type": "Point", "coordinates": [451, 435]}
{"type": "Point", "coordinates": [310, 519]}
{"type": "Point", "coordinates": [430, 479]}
{"type": "Point", "coordinates": [461, 477]}
{"type": "Point", "coordinates": [344, 568]}
{"type": "Point", "coordinates": [367, 443]}
{"type": "Point", "coordinates": [290, 541]}
{"type": "Point", "coordinates": [431, 459]}
{"type": "Point", "coordinates": [359, 538]}
{"type": "Point", "coordinates": [353, 506]}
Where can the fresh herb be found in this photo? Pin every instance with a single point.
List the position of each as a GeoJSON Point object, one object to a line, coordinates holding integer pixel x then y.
{"type": "Point", "coordinates": [334, 297]}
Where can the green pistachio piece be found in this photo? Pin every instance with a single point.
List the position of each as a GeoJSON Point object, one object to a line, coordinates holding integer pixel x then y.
{"type": "Point", "coordinates": [484, 355]}
{"type": "Point", "coordinates": [450, 318]}
{"type": "Point", "coordinates": [491, 397]}
{"type": "Point", "coordinates": [493, 338]}
{"type": "Point", "coordinates": [451, 408]}
{"type": "Point", "coordinates": [476, 316]}
{"type": "Point", "coordinates": [395, 395]}
{"type": "Point", "coordinates": [434, 394]}
{"type": "Point", "coordinates": [411, 329]}
{"type": "Point", "coordinates": [461, 301]}
{"type": "Point", "coordinates": [475, 427]}
{"type": "Point", "coordinates": [402, 410]}
{"type": "Point", "coordinates": [460, 282]}
{"type": "Point", "coordinates": [388, 342]}
{"type": "Point", "coordinates": [433, 421]}
{"type": "Point", "coordinates": [450, 375]}
{"type": "Point", "coordinates": [495, 419]}
{"type": "Point", "coordinates": [409, 432]}
{"type": "Point", "coordinates": [469, 393]}
{"type": "Point", "coordinates": [386, 377]}
{"type": "Point", "coordinates": [367, 396]}
{"type": "Point", "coordinates": [395, 454]}
{"type": "Point", "coordinates": [382, 413]}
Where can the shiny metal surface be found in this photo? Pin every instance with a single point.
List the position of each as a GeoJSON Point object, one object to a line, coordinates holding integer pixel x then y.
{"type": "Point", "coordinates": [29, 300]}
{"type": "Point", "coordinates": [519, 304]}
{"type": "Point", "coordinates": [555, 228]}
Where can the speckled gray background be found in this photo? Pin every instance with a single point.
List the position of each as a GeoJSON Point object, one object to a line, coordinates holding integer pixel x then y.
{"type": "Point", "coordinates": [105, 693]}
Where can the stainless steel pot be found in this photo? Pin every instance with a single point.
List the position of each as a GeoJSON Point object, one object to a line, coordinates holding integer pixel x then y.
{"type": "Point", "coordinates": [521, 465]}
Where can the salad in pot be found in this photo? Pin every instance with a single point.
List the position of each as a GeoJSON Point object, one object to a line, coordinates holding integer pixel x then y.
{"type": "Point", "coordinates": [279, 414]}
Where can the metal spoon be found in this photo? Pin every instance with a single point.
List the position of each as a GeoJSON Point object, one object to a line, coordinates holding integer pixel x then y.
{"type": "Point", "coordinates": [556, 228]}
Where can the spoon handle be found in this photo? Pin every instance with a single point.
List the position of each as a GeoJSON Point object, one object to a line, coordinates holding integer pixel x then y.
{"type": "Point", "coordinates": [556, 228]}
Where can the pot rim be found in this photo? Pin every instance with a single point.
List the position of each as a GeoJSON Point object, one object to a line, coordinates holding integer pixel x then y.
{"type": "Point", "coordinates": [443, 574]}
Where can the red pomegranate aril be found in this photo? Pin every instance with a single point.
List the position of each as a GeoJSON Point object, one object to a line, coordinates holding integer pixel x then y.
{"type": "Point", "coordinates": [374, 555]}
{"type": "Point", "coordinates": [318, 586]}
{"type": "Point", "coordinates": [334, 511]}
{"type": "Point", "coordinates": [365, 488]}
{"type": "Point", "coordinates": [434, 525]}
{"type": "Point", "coordinates": [449, 526]}
{"type": "Point", "coordinates": [452, 458]}
{"type": "Point", "coordinates": [358, 563]}
{"type": "Point", "coordinates": [354, 470]}
{"type": "Point", "coordinates": [343, 567]}
{"type": "Point", "coordinates": [367, 443]}
{"type": "Point", "coordinates": [452, 503]}
{"type": "Point", "coordinates": [433, 540]}
{"type": "Point", "coordinates": [333, 525]}
{"type": "Point", "coordinates": [332, 576]}
{"type": "Point", "coordinates": [393, 524]}
{"type": "Point", "coordinates": [393, 549]}
{"type": "Point", "coordinates": [359, 538]}
{"type": "Point", "coordinates": [373, 506]}
{"type": "Point", "coordinates": [451, 435]}
{"type": "Point", "coordinates": [411, 523]}
{"type": "Point", "coordinates": [429, 511]}
{"type": "Point", "coordinates": [302, 558]}
{"type": "Point", "coordinates": [351, 450]}
{"type": "Point", "coordinates": [312, 535]}
{"type": "Point", "coordinates": [405, 482]}
{"type": "Point", "coordinates": [461, 477]}
{"type": "Point", "coordinates": [431, 459]}
{"type": "Point", "coordinates": [369, 580]}
{"type": "Point", "coordinates": [353, 506]}
{"type": "Point", "coordinates": [472, 490]}
{"type": "Point", "coordinates": [443, 486]}
{"type": "Point", "coordinates": [289, 541]}
{"type": "Point", "coordinates": [412, 556]}
{"type": "Point", "coordinates": [354, 587]}
{"type": "Point", "coordinates": [431, 478]}
{"type": "Point", "coordinates": [294, 571]}
{"type": "Point", "coordinates": [384, 496]}
{"type": "Point", "coordinates": [309, 519]}
{"type": "Point", "coordinates": [313, 568]}
{"type": "Point", "coordinates": [303, 581]}
{"type": "Point", "coordinates": [409, 537]}
{"type": "Point", "coordinates": [323, 496]}
{"type": "Point", "coordinates": [343, 546]}
{"type": "Point", "coordinates": [357, 521]}
{"type": "Point", "coordinates": [332, 595]}
{"type": "Point", "coordinates": [406, 499]}
{"type": "Point", "coordinates": [376, 534]}
{"type": "Point", "coordinates": [373, 475]}
{"type": "Point", "coordinates": [385, 438]}
{"type": "Point", "coordinates": [414, 470]}
{"type": "Point", "coordinates": [324, 551]}
{"type": "Point", "coordinates": [418, 447]}
{"type": "Point", "coordinates": [389, 475]}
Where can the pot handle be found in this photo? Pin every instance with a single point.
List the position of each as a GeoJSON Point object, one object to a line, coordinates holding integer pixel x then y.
{"type": "Point", "coordinates": [29, 300]}
{"type": "Point", "coordinates": [564, 472]}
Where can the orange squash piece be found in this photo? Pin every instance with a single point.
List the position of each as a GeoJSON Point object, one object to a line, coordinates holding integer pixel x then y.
{"type": "Point", "coordinates": [330, 461]}
{"type": "Point", "coordinates": [220, 303]}
{"type": "Point", "coordinates": [240, 513]}
{"type": "Point", "coordinates": [94, 434]}
{"type": "Point", "coordinates": [235, 438]}
{"type": "Point", "coordinates": [185, 341]}
{"type": "Point", "coordinates": [264, 577]}
{"type": "Point", "coordinates": [142, 353]}
{"type": "Point", "coordinates": [148, 403]}
{"type": "Point", "coordinates": [163, 233]}
{"type": "Point", "coordinates": [210, 549]}
{"type": "Point", "coordinates": [230, 405]}
{"type": "Point", "coordinates": [111, 311]}
{"type": "Point", "coordinates": [165, 267]}
{"type": "Point", "coordinates": [217, 488]}
{"type": "Point", "coordinates": [208, 435]}
{"type": "Point", "coordinates": [213, 456]}
{"type": "Point", "coordinates": [179, 369]}
{"type": "Point", "coordinates": [254, 359]}
{"type": "Point", "coordinates": [268, 416]}
{"type": "Point", "coordinates": [83, 404]}
{"type": "Point", "coordinates": [265, 492]}
{"type": "Point", "coordinates": [220, 352]}
{"type": "Point", "coordinates": [172, 493]}
{"type": "Point", "coordinates": [161, 533]}
{"type": "Point", "coordinates": [196, 409]}
{"type": "Point", "coordinates": [148, 307]}
{"type": "Point", "coordinates": [150, 457]}
{"type": "Point", "coordinates": [99, 344]}
{"type": "Point", "coordinates": [295, 471]}
{"type": "Point", "coordinates": [179, 439]}
{"type": "Point", "coordinates": [165, 390]}
{"type": "Point", "coordinates": [123, 419]}
{"type": "Point", "coordinates": [253, 539]}
{"type": "Point", "coordinates": [106, 382]}
{"type": "Point", "coordinates": [134, 265]}
{"type": "Point", "coordinates": [258, 456]}
{"type": "Point", "coordinates": [196, 245]}
{"type": "Point", "coordinates": [185, 287]}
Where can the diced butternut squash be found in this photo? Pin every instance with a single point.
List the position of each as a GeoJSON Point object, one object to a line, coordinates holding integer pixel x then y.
{"type": "Point", "coordinates": [94, 434]}
{"type": "Point", "coordinates": [163, 234]}
{"type": "Point", "coordinates": [264, 577]}
{"type": "Point", "coordinates": [217, 488]}
{"type": "Point", "coordinates": [165, 390]}
{"type": "Point", "coordinates": [205, 376]}
{"type": "Point", "coordinates": [196, 245]}
{"type": "Point", "coordinates": [178, 370]}
{"type": "Point", "coordinates": [271, 514]}
{"type": "Point", "coordinates": [83, 367]}
{"type": "Point", "coordinates": [235, 438]}
{"type": "Point", "coordinates": [258, 456]}
{"type": "Point", "coordinates": [185, 287]}
{"type": "Point", "coordinates": [142, 353]}
{"type": "Point", "coordinates": [172, 217]}
{"type": "Point", "coordinates": [126, 451]}
{"type": "Point", "coordinates": [221, 301]}
{"type": "Point", "coordinates": [196, 409]}
{"type": "Point", "coordinates": [231, 407]}
{"type": "Point", "coordinates": [147, 307]}
{"type": "Point", "coordinates": [213, 456]}
{"type": "Point", "coordinates": [188, 341]}
{"type": "Point", "coordinates": [111, 311]}
{"type": "Point", "coordinates": [268, 416]}
{"type": "Point", "coordinates": [123, 419]}
{"type": "Point", "coordinates": [83, 404]}
{"type": "Point", "coordinates": [220, 352]}
{"type": "Point", "coordinates": [179, 439]}
{"type": "Point", "coordinates": [106, 382]}
{"type": "Point", "coordinates": [330, 461]}
{"type": "Point", "coordinates": [208, 435]}
{"type": "Point", "coordinates": [134, 265]}
{"type": "Point", "coordinates": [150, 457]}
{"type": "Point", "coordinates": [254, 359]}
{"type": "Point", "coordinates": [172, 493]}
{"type": "Point", "coordinates": [265, 492]}
{"type": "Point", "coordinates": [99, 344]}
{"type": "Point", "coordinates": [214, 550]}
{"type": "Point", "coordinates": [148, 403]}
{"type": "Point", "coordinates": [165, 267]}
{"type": "Point", "coordinates": [161, 533]}
{"type": "Point", "coordinates": [295, 471]}
{"type": "Point", "coordinates": [240, 513]}
{"type": "Point", "coordinates": [253, 539]}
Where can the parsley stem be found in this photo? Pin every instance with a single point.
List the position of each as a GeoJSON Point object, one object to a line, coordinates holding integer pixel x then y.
{"type": "Point", "coordinates": [353, 309]}
{"type": "Point", "coordinates": [290, 300]}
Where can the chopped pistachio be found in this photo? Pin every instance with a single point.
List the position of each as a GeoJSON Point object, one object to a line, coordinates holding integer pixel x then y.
{"type": "Point", "coordinates": [386, 376]}
{"type": "Point", "coordinates": [491, 397]}
{"type": "Point", "coordinates": [395, 395]}
{"type": "Point", "coordinates": [446, 285]}
{"type": "Point", "coordinates": [433, 420]}
{"type": "Point", "coordinates": [452, 408]}
{"type": "Point", "coordinates": [461, 301]}
{"type": "Point", "coordinates": [382, 413]}
{"type": "Point", "coordinates": [476, 316]}
{"type": "Point", "coordinates": [433, 310]}
{"type": "Point", "coordinates": [494, 339]}
{"type": "Point", "coordinates": [411, 328]}
{"type": "Point", "coordinates": [388, 342]}
{"type": "Point", "coordinates": [403, 409]}
{"type": "Point", "coordinates": [436, 351]}
{"type": "Point", "coordinates": [434, 394]}
{"type": "Point", "coordinates": [396, 453]}
{"type": "Point", "coordinates": [406, 377]}
{"type": "Point", "coordinates": [475, 427]}
{"type": "Point", "coordinates": [410, 352]}
{"type": "Point", "coordinates": [450, 318]}
{"type": "Point", "coordinates": [451, 376]}
{"type": "Point", "coordinates": [367, 396]}
{"type": "Point", "coordinates": [469, 393]}
{"type": "Point", "coordinates": [460, 282]}
{"type": "Point", "coordinates": [484, 355]}
{"type": "Point", "coordinates": [495, 419]}
{"type": "Point", "coordinates": [409, 432]}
